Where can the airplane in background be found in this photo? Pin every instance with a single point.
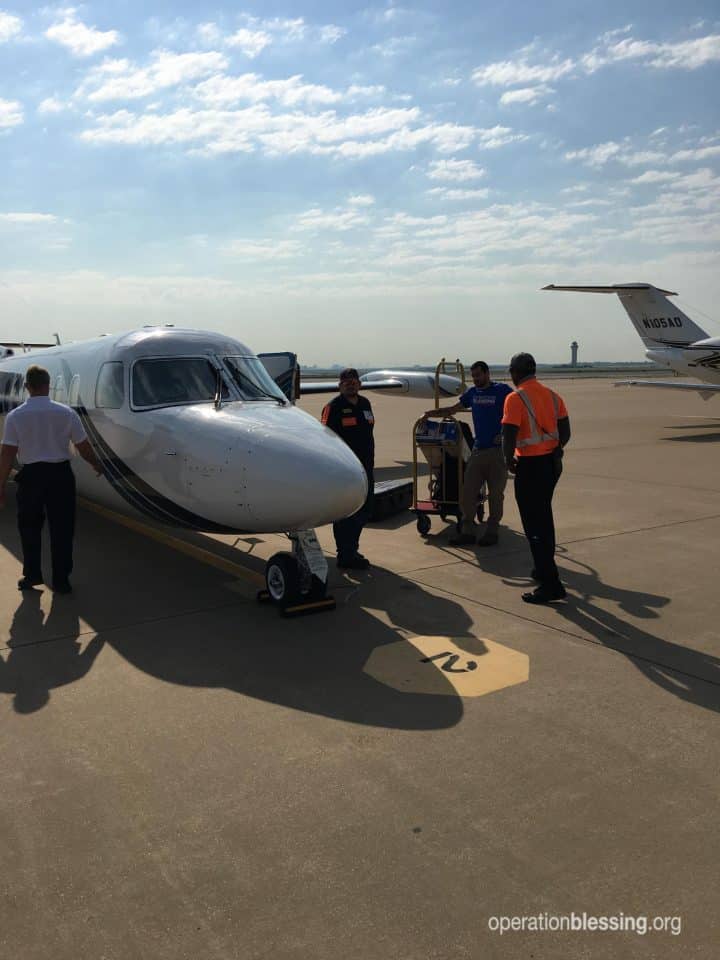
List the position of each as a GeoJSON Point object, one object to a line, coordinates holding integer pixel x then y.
{"type": "Point", "coordinates": [194, 432]}
{"type": "Point", "coordinates": [670, 337]}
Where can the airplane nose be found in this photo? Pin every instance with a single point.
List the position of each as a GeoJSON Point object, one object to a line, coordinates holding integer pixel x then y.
{"type": "Point", "coordinates": [300, 475]}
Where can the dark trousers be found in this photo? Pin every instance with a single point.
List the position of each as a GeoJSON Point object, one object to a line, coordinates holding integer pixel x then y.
{"type": "Point", "coordinates": [535, 480]}
{"type": "Point", "coordinates": [46, 489]}
{"type": "Point", "coordinates": [347, 532]}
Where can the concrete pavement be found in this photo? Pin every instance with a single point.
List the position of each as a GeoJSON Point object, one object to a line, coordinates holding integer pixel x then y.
{"type": "Point", "coordinates": [188, 775]}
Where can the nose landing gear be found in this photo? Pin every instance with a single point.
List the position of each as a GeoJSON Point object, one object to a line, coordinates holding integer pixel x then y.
{"type": "Point", "coordinates": [296, 583]}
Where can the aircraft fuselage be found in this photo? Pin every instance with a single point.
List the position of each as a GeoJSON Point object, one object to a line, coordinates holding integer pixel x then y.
{"type": "Point", "coordinates": [192, 432]}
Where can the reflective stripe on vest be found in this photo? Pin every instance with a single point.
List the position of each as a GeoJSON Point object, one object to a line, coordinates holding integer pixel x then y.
{"type": "Point", "coordinates": [535, 435]}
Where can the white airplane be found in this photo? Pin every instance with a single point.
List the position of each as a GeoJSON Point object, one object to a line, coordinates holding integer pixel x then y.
{"type": "Point", "coordinates": [671, 338]}
{"type": "Point", "coordinates": [192, 431]}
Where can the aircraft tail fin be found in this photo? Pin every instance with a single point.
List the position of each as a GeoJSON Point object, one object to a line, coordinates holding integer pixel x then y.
{"type": "Point", "coordinates": [658, 321]}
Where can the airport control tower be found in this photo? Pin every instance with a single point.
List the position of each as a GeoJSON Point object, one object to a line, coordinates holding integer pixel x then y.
{"type": "Point", "coordinates": [573, 353]}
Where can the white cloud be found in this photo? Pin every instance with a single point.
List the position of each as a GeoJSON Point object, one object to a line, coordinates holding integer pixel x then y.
{"type": "Point", "coordinates": [331, 33]}
{"type": "Point", "coordinates": [493, 137]}
{"type": "Point", "coordinates": [361, 200]}
{"type": "Point", "coordinates": [394, 46]}
{"type": "Point", "coordinates": [263, 249]}
{"type": "Point", "coordinates": [256, 33]}
{"type": "Point", "coordinates": [81, 40]}
{"type": "Point", "coordinates": [577, 188]}
{"type": "Point", "coordinates": [11, 113]}
{"type": "Point", "coordinates": [250, 42]}
{"type": "Point", "coordinates": [618, 32]}
{"type": "Point", "coordinates": [457, 170]}
{"type": "Point", "coordinates": [291, 29]}
{"type": "Point", "coordinates": [697, 153]}
{"type": "Point", "coordinates": [29, 218]}
{"type": "Point", "coordinates": [637, 158]}
{"type": "Point", "coordinates": [598, 155]}
{"type": "Point", "coordinates": [10, 26]}
{"type": "Point", "coordinates": [124, 80]}
{"type": "Point", "coordinates": [685, 54]}
{"type": "Point", "coordinates": [339, 219]}
{"type": "Point", "coordinates": [447, 193]}
{"type": "Point", "coordinates": [529, 95]}
{"type": "Point", "coordinates": [224, 90]}
{"type": "Point", "coordinates": [210, 34]}
{"type": "Point", "coordinates": [595, 156]}
{"type": "Point", "coordinates": [51, 105]}
{"type": "Point", "coordinates": [389, 14]}
{"type": "Point", "coordinates": [508, 73]}
{"type": "Point", "coordinates": [407, 220]}
{"type": "Point", "coordinates": [655, 176]}
{"type": "Point", "coordinates": [591, 203]}
{"type": "Point", "coordinates": [375, 90]}
{"type": "Point", "coordinates": [215, 131]}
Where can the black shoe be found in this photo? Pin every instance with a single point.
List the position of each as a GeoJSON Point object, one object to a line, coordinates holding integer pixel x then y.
{"type": "Point", "coordinates": [62, 586]}
{"type": "Point", "coordinates": [545, 594]}
{"type": "Point", "coordinates": [27, 583]}
{"type": "Point", "coordinates": [353, 563]}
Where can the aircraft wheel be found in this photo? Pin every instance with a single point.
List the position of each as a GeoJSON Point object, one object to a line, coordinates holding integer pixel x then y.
{"type": "Point", "coordinates": [282, 579]}
{"type": "Point", "coordinates": [423, 524]}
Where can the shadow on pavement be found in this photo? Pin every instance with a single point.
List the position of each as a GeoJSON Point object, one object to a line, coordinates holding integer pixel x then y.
{"type": "Point", "coordinates": [44, 653]}
{"type": "Point", "coordinates": [695, 675]}
{"type": "Point", "coordinates": [689, 674]}
{"type": "Point", "coordinates": [713, 425]}
{"type": "Point", "coordinates": [174, 618]}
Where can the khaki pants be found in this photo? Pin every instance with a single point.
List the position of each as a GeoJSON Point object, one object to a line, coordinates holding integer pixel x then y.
{"type": "Point", "coordinates": [484, 466]}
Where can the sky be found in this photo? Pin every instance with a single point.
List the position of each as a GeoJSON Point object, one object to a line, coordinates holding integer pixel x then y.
{"type": "Point", "coordinates": [366, 184]}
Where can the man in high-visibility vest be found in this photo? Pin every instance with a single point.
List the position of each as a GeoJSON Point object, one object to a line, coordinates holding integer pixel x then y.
{"type": "Point", "coordinates": [536, 428]}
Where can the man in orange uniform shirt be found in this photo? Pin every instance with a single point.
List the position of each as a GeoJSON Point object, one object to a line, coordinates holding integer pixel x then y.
{"type": "Point", "coordinates": [536, 427]}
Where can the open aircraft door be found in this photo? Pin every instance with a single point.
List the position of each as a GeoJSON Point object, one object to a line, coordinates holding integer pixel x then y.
{"type": "Point", "coordinates": [285, 371]}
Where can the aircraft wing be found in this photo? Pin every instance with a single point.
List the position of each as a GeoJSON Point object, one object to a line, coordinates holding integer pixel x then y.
{"type": "Point", "coordinates": [330, 386]}
{"type": "Point", "coordinates": [706, 390]}
{"type": "Point", "coordinates": [416, 384]}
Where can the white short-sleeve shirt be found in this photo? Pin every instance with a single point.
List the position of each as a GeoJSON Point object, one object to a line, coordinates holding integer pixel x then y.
{"type": "Point", "coordinates": [42, 430]}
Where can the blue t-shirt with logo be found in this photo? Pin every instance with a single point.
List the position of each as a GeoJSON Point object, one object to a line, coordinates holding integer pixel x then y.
{"type": "Point", "coordinates": [487, 405]}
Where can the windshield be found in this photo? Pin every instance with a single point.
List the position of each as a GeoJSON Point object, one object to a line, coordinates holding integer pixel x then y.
{"type": "Point", "coordinates": [174, 381]}
{"type": "Point", "coordinates": [252, 379]}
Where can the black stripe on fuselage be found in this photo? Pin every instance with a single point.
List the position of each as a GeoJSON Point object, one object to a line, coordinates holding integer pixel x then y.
{"type": "Point", "coordinates": [137, 492]}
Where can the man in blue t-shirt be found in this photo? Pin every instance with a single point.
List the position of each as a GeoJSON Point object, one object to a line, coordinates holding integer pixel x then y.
{"type": "Point", "coordinates": [486, 399]}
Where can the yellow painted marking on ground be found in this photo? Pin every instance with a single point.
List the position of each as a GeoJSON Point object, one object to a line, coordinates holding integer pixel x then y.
{"type": "Point", "coordinates": [198, 553]}
{"type": "Point", "coordinates": [443, 666]}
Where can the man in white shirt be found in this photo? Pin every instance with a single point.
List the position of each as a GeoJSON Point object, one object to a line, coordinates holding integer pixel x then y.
{"type": "Point", "coordinates": [39, 433]}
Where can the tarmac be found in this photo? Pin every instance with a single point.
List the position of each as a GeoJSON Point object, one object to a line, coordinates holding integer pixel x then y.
{"type": "Point", "coordinates": [186, 774]}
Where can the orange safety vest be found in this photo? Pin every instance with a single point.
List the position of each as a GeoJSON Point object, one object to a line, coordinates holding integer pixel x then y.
{"type": "Point", "coordinates": [535, 410]}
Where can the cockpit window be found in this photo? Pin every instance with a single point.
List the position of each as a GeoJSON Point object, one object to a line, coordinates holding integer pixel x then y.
{"type": "Point", "coordinates": [110, 387]}
{"type": "Point", "coordinates": [252, 379]}
{"type": "Point", "coordinates": [177, 380]}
